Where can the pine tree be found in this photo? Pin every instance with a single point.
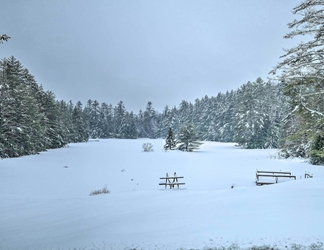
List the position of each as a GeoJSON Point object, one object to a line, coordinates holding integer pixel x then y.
{"type": "Point", "coordinates": [54, 128]}
{"type": "Point", "coordinates": [150, 126]}
{"type": "Point", "coordinates": [317, 150]}
{"type": "Point", "coordinates": [305, 118]}
{"type": "Point", "coordinates": [187, 139]}
{"type": "Point", "coordinates": [225, 119]}
{"type": "Point", "coordinates": [130, 131]}
{"type": "Point", "coordinates": [80, 123]}
{"type": "Point", "coordinates": [19, 113]}
{"type": "Point", "coordinates": [163, 124]}
{"type": "Point", "coordinates": [302, 72]}
{"type": "Point", "coordinates": [94, 120]}
{"type": "Point", "coordinates": [106, 120]}
{"type": "Point", "coordinates": [305, 59]}
{"type": "Point", "coordinates": [256, 116]}
{"type": "Point", "coordinates": [170, 142]}
{"type": "Point", "coordinates": [31, 120]}
{"type": "Point", "coordinates": [120, 120]}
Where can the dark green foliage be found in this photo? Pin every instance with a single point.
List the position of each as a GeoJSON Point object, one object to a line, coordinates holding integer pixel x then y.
{"type": "Point", "coordinates": [317, 150]}
{"type": "Point", "coordinates": [120, 120]}
{"type": "Point", "coordinates": [31, 120]}
{"type": "Point", "coordinates": [20, 117]}
{"type": "Point", "coordinates": [170, 142]}
{"type": "Point", "coordinates": [4, 37]}
{"type": "Point", "coordinates": [149, 122]}
{"type": "Point", "coordinates": [187, 138]}
{"type": "Point", "coordinates": [106, 121]}
{"type": "Point", "coordinates": [79, 125]}
{"type": "Point", "coordinates": [130, 130]}
{"type": "Point", "coordinates": [304, 121]}
{"type": "Point", "coordinates": [257, 115]}
{"type": "Point", "coordinates": [302, 72]}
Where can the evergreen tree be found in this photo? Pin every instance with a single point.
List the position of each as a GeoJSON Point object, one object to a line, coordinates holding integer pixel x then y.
{"type": "Point", "coordinates": [304, 120]}
{"type": "Point", "coordinates": [31, 120]}
{"type": "Point", "coordinates": [54, 128]}
{"type": "Point", "coordinates": [94, 120]}
{"type": "Point", "coordinates": [302, 73]}
{"type": "Point", "coordinates": [120, 120]}
{"type": "Point", "coordinates": [87, 113]}
{"type": "Point", "coordinates": [106, 120]}
{"type": "Point", "coordinates": [139, 120]}
{"type": "Point", "coordinates": [130, 131]}
{"type": "Point", "coordinates": [79, 120]}
{"type": "Point", "coordinates": [225, 119]}
{"type": "Point", "coordinates": [170, 142]}
{"type": "Point", "coordinates": [165, 123]}
{"type": "Point", "coordinates": [19, 114]}
{"type": "Point", "coordinates": [150, 126]}
{"type": "Point", "coordinates": [187, 139]}
{"type": "Point", "coordinates": [317, 150]}
{"type": "Point", "coordinates": [185, 112]}
{"type": "Point", "coordinates": [305, 59]}
{"type": "Point", "coordinates": [212, 112]}
{"type": "Point", "coordinates": [256, 124]}
{"type": "Point", "coordinates": [199, 115]}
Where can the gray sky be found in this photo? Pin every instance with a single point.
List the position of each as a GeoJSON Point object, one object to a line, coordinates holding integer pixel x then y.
{"type": "Point", "coordinates": [137, 51]}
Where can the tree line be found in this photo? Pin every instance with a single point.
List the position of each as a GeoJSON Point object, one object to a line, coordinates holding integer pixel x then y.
{"type": "Point", "coordinates": [249, 116]}
{"type": "Point", "coordinates": [32, 120]}
{"type": "Point", "coordinates": [286, 113]}
{"type": "Point", "coordinates": [259, 114]}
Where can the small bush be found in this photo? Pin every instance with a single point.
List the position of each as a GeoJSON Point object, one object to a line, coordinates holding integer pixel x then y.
{"type": "Point", "coordinates": [104, 190]}
{"type": "Point", "coordinates": [147, 147]}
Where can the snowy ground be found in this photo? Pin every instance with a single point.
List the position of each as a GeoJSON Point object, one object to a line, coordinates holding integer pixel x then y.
{"type": "Point", "coordinates": [45, 201]}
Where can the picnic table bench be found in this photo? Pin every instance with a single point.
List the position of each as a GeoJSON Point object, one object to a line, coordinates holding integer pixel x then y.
{"type": "Point", "coordinates": [274, 174]}
{"type": "Point", "coordinates": [171, 181]}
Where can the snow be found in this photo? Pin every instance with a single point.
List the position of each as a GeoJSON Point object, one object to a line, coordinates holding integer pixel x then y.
{"type": "Point", "coordinates": [45, 201]}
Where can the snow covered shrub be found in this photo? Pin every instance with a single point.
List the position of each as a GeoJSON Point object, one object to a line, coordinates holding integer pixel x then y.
{"type": "Point", "coordinates": [147, 147]}
{"type": "Point", "coordinates": [277, 155]}
{"type": "Point", "coordinates": [104, 190]}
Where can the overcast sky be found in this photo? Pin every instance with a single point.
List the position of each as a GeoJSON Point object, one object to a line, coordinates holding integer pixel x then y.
{"type": "Point", "coordinates": [137, 51]}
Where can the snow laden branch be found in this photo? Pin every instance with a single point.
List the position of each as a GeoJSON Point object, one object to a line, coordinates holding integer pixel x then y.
{"type": "Point", "coordinates": [4, 37]}
{"type": "Point", "coordinates": [306, 59]}
{"type": "Point", "coordinates": [312, 111]}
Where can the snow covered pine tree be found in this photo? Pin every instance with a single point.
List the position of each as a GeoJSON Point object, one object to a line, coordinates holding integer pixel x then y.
{"type": "Point", "coordinates": [169, 141]}
{"type": "Point", "coordinates": [302, 73]}
{"type": "Point", "coordinates": [188, 139]}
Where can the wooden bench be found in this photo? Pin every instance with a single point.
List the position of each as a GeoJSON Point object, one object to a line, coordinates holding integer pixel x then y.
{"type": "Point", "coordinates": [171, 181]}
{"type": "Point", "coordinates": [274, 174]}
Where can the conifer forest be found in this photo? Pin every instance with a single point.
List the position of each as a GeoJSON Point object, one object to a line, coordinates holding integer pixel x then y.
{"type": "Point", "coordinates": [286, 112]}
{"type": "Point", "coordinates": [259, 114]}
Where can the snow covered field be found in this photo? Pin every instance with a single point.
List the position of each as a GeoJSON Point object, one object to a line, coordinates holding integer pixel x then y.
{"type": "Point", "coordinates": [45, 201]}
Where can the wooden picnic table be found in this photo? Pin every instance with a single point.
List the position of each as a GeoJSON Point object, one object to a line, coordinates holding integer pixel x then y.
{"type": "Point", "coordinates": [171, 181]}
